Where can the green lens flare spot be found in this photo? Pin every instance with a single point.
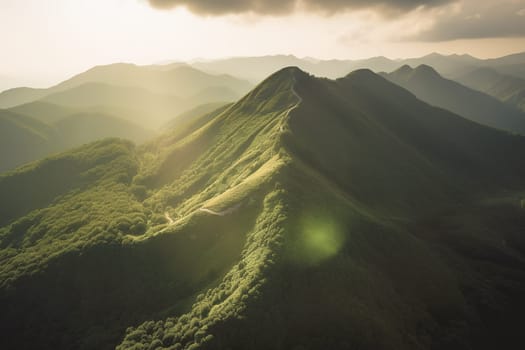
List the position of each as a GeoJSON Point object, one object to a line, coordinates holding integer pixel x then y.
{"type": "Point", "coordinates": [320, 238]}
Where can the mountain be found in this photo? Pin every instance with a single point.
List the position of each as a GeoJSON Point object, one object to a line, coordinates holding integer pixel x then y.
{"type": "Point", "coordinates": [24, 139]}
{"type": "Point", "coordinates": [43, 111]}
{"type": "Point", "coordinates": [183, 81]}
{"type": "Point", "coordinates": [146, 108]}
{"type": "Point", "coordinates": [506, 88]}
{"type": "Point", "coordinates": [448, 65]}
{"type": "Point", "coordinates": [78, 129]}
{"type": "Point", "coordinates": [451, 66]}
{"type": "Point", "coordinates": [310, 214]}
{"type": "Point", "coordinates": [430, 87]}
{"type": "Point", "coordinates": [140, 87]}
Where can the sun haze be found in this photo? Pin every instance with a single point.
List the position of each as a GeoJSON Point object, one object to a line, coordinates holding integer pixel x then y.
{"type": "Point", "coordinates": [47, 41]}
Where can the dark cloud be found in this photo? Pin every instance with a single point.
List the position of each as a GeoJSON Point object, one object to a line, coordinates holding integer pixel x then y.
{"type": "Point", "coordinates": [283, 7]}
{"type": "Point", "coordinates": [479, 19]}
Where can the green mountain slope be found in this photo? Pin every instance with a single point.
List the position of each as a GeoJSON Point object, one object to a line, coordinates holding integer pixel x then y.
{"type": "Point", "coordinates": [311, 214]}
{"type": "Point", "coordinates": [506, 88]}
{"type": "Point", "coordinates": [429, 86]}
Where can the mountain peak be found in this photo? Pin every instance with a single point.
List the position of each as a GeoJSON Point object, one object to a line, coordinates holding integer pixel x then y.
{"type": "Point", "coordinates": [427, 70]}
{"type": "Point", "coordinates": [293, 70]}
{"type": "Point", "coordinates": [403, 70]}
{"type": "Point", "coordinates": [364, 73]}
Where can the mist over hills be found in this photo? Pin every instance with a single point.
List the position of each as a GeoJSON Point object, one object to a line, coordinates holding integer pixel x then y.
{"type": "Point", "coordinates": [148, 96]}
{"type": "Point", "coordinates": [310, 214]}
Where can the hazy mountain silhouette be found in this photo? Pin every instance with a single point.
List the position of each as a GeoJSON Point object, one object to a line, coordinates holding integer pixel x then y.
{"type": "Point", "coordinates": [151, 95]}
{"type": "Point", "coordinates": [256, 68]}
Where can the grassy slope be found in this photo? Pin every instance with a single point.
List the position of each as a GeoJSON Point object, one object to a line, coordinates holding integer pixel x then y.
{"type": "Point", "coordinates": [430, 87]}
{"type": "Point", "coordinates": [357, 218]}
{"type": "Point", "coordinates": [87, 225]}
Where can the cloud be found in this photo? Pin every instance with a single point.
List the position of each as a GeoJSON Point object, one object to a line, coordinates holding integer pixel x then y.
{"type": "Point", "coordinates": [284, 7]}
{"type": "Point", "coordinates": [474, 19]}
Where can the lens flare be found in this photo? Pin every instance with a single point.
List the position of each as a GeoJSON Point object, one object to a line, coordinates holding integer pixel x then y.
{"type": "Point", "coordinates": [320, 238]}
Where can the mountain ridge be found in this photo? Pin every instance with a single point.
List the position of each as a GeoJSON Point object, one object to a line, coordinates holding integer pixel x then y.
{"type": "Point", "coordinates": [331, 190]}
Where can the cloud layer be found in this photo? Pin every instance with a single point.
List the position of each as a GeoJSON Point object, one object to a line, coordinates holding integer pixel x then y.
{"type": "Point", "coordinates": [283, 7]}
{"type": "Point", "coordinates": [473, 19]}
{"type": "Point", "coordinates": [448, 19]}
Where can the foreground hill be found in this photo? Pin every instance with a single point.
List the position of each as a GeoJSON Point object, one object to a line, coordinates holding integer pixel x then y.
{"type": "Point", "coordinates": [506, 88]}
{"type": "Point", "coordinates": [311, 214]}
{"type": "Point", "coordinates": [430, 87]}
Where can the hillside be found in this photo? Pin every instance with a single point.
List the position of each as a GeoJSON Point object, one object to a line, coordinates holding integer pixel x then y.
{"type": "Point", "coordinates": [432, 88]}
{"type": "Point", "coordinates": [146, 108]}
{"type": "Point", "coordinates": [310, 214]}
{"type": "Point", "coordinates": [211, 109]}
{"type": "Point", "coordinates": [506, 88]}
{"type": "Point", "coordinates": [24, 139]}
{"type": "Point", "coordinates": [81, 128]}
{"type": "Point", "coordinates": [43, 111]}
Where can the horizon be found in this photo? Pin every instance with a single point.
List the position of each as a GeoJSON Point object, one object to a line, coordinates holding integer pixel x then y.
{"type": "Point", "coordinates": [192, 61]}
{"type": "Point", "coordinates": [61, 38]}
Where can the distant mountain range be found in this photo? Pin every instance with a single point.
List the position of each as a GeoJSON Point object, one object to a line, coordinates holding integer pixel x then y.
{"type": "Point", "coordinates": [24, 139]}
{"type": "Point", "coordinates": [119, 100]}
{"type": "Point", "coordinates": [451, 66]}
{"type": "Point", "coordinates": [310, 214]}
{"type": "Point", "coordinates": [429, 86]}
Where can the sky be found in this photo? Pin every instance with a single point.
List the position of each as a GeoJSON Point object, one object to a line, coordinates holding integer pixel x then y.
{"type": "Point", "coordinates": [44, 42]}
